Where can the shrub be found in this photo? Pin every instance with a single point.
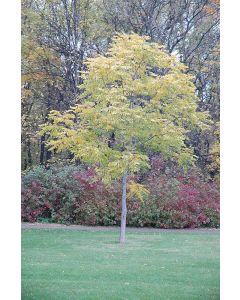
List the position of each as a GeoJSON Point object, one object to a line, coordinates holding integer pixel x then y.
{"type": "Point", "coordinates": [68, 195]}
{"type": "Point", "coordinates": [71, 194]}
{"type": "Point", "coordinates": [183, 200]}
{"type": "Point", "coordinates": [49, 194]}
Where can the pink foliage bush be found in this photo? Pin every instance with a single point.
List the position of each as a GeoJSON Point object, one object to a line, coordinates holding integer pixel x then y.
{"type": "Point", "coordinates": [176, 200]}
{"type": "Point", "coordinates": [197, 205]}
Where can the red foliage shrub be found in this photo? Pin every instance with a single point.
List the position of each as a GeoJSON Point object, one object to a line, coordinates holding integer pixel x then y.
{"type": "Point", "coordinates": [70, 196]}
{"type": "Point", "coordinates": [176, 200]}
{"type": "Point", "coordinates": [73, 195]}
{"type": "Point", "coordinates": [197, 205]}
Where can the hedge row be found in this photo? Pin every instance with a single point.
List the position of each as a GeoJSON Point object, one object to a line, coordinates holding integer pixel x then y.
{"type": "Point", "coordinates": [72, 195]}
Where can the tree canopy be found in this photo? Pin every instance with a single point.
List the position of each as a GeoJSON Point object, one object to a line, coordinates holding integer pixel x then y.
{"type": "Point", "coordinates": [58, 36]}
{"type": "Point", "coordinates": [137, 100]}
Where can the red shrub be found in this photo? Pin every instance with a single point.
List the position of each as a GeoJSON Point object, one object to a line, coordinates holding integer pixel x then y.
{"type": "Point", "coordinates": [73, 195]}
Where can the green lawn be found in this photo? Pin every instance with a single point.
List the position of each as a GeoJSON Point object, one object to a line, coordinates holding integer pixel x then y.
{"type": "Point", "coordinates": [72, 264]}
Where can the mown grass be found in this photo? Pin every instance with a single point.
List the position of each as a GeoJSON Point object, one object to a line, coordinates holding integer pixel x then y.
{"type": "Point", "coordinates": [70, 264]}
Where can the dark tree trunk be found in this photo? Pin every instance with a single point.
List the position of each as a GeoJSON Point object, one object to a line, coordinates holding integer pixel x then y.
{"type": "Point", "coordinates": [45, 154]}
{"type": "Point", "coordinates": [111, 140]}
{"type": "Point", "coordinates": [124, 208]}
{"type": "Point", "coordinates": [29, 153]}
{"type": "Point", "coordinates": [48, 155]}
{"type": "Point", "coordinates": [42, 149]}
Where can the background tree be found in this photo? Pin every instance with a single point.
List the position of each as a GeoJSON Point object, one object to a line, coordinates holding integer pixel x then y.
{"type": "Point", "coordinates": [137, 101]}
{"type": "Point", "coordinates": [56, 36]}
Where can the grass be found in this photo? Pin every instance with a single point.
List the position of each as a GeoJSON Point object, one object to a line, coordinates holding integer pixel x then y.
{"type": "Point", "coordinates": [70, 264]}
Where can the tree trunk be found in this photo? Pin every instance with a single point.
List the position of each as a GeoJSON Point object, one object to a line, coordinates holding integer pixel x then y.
{"type": "Point", "coordinates": [124, 208]}
{"type": "Point", "coordinates": [29, 153]}
{"type": "Point", "coordinates": [42, 149]}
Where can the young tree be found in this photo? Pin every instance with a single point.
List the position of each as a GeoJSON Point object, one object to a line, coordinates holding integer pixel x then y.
{"type": "Point", "coordinates": [137, 100]}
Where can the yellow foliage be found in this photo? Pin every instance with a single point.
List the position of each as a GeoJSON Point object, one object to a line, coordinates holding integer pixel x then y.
{"type": "Point", "coordinates": [137, 190]}
{"type": "Point", "coordinates": [139, 93]}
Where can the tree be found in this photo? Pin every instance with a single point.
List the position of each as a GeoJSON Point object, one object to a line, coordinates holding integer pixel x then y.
{"type": "Point", "coordinates": [187, 28]}
{"type": "Point", "coordinates": [56, 36]}
{"type": "Point", "coordinates": [137, 101]}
